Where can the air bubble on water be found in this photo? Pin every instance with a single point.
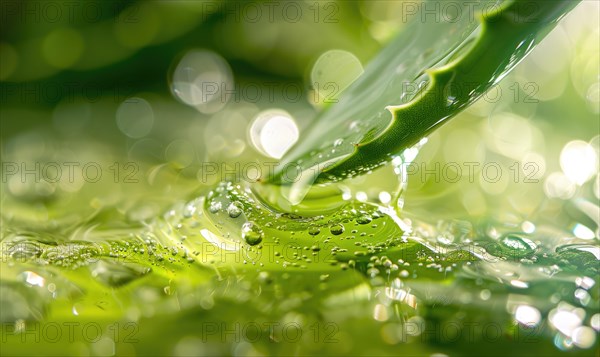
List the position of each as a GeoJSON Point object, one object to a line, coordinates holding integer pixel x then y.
{"type": "Point", "coordinates": [252, 233]}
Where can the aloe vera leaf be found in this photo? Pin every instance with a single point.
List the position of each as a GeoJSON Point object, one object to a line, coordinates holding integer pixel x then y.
{"type": "Point", "coordinates": [481, 54]}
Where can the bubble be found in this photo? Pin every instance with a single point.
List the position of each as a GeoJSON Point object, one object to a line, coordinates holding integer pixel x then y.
{"type": "Point", "coordinates": [252, 233]}
{"type": "Point", "coordinates": [517, 245]}
{"type": "Point", "coordinates": [135, 117]}
{"type": "Point", "coordinates": [200, 79]}
{"type": "Point", "coordinates": [273, 132]}
{"type": "Point", "coordinates": [336, 229]}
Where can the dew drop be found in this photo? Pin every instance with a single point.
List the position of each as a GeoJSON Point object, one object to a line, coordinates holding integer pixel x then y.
{"type": "Point", "coordinates": [233, 210]}
{"type": "Point", "coordinates": [364, 219]}
{"type": "Point", "coordinates": [215, 206]}
{"type": "Point", "coordinates": [252, 233]}
{"type": "Point", "coordinates": [517, 245]}
{"type": "Point", "coordinates": [314, 230]}
{"type": "Point", "coordinates": [336, 229]}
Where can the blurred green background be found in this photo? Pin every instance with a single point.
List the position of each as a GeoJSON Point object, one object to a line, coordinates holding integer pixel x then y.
{"type": "Point", "coordinates": [69, 69]}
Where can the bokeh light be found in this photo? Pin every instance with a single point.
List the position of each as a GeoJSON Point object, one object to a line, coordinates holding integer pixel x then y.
{"type": "Point", "coordinates": [273, 132]}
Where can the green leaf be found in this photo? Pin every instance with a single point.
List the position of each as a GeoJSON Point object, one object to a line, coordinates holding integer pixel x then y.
{"type": "Point", "coordinates": [459, 59]}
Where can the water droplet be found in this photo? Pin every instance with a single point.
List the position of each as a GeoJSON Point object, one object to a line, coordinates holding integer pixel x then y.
{"type": "Point", "coordinates": [233, 210]}
{"type": "Point", "coordinates": [116, 274]}
{"type": "Point", "coordinates": [214, 207]}
{"type": "Point", "coordinates": [264, 277]}
{"type": "Point", "coordinates": [24, 250]}
{"type": "Point", "coordinates": [252, 233]}
{"type": "Point", "coordinates": [517, 245]}
{"type": "Point", "coordinates": [364, 219]}
{"type": "Point", "coordinates": [314, 230]}
{"type": "Point", "coordinates": [336, 229]}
